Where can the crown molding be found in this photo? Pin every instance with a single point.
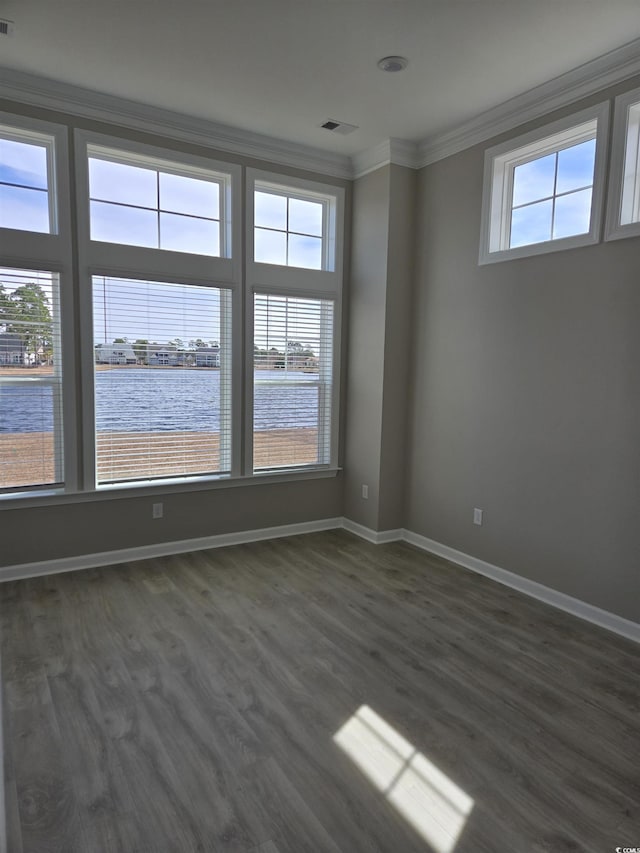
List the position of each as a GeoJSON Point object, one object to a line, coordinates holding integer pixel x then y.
{"type": "Point", "coordinates": [85, 103]}
{"type": "Point", "coordinates": [597, 74]}
{"type": "Point", "coordinates": [398, 152]}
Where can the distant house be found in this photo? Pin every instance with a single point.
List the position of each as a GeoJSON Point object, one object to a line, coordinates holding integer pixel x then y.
{"type": "Point", "coordinates": [115, 354]}
{"type": "Point", "coordinates": [208, 356]}
{"type": "Point", "coordinates": [12, 349]}
{"type": "Point", "coordinates": [164, 355]}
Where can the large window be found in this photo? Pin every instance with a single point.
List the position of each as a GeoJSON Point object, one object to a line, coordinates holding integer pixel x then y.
{"type": "Point", "coordinates": [31, 446]}
{"type": "Point", "coordinates": [294, 290]}
{"type": "Point", "coordinates": [162, 380]}
{"type": "Point", "coordinates": [169, 346]}
{"type": "Point", "coordinates": [162, 205]}
{"type": "Point", "coordinates": [543, 191]}
{"type": "Point", "coordinates": [293, 375]}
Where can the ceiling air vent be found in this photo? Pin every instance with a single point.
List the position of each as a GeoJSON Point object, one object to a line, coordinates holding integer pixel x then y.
{"type": "Point", "coordinates": [6, 28]}
{"type": "Point", "coordinates": [338, 126]}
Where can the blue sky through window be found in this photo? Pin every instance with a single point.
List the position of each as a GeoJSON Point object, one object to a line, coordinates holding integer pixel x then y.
{"type": "Point", "coordinates": [552, 195]}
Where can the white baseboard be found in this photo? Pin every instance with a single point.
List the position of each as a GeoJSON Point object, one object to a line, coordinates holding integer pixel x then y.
{"type": "Point", "coordinates": [575, 606]}
{"type": "Point", "coordinates": [603, 618]}
{"type": "Point", "coordinates": [163, 549]}
{"type": "Point", "coordinates": [374, 536]}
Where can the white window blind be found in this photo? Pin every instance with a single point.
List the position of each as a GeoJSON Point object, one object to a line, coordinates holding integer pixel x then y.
{"type": "Point", "coordinates": [162, 357]}
{"type": "Point", "coordinates": [31, 450]}
{"type": "Point", "coordinates": [293, 367]}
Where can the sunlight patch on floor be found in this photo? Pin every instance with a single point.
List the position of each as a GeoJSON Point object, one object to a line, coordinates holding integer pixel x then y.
{"type": "Point", "coordinates": [434, 806]}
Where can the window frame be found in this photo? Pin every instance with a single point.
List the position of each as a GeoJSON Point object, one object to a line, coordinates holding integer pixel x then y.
{"type": "Point", "coordinates": [500, 162]}
{"type": "Point", "coordinates": [279, 280]}
{"type": "Point", "coordinates": [99, 258]}
{"type": "Point", "coordinates": [33, 251]}
{"type": "Point", "coordinates": [615, 228]}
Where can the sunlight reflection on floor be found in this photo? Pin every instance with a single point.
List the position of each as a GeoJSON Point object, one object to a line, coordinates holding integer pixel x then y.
{"type": "Point", "coordinates": [433, 805]}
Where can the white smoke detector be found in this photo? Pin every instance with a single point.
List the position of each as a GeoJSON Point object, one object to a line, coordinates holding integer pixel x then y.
{"type": "Point", "coordinates": [393, 63]}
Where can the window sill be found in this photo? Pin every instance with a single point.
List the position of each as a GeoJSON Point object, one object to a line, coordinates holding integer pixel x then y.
{"type": "Point", "coordinates": [164, 487]}
{"type": "Point", "coordinates": [533, 249]}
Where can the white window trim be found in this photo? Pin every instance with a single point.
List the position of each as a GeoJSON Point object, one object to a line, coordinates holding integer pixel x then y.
{"type": "Point", "coordinates": [145, 264]}
{"type": "Point", "coordinates": [499, 163]}
{"type": "Point", "coordinates": [51, 252]}
{"type": "Point", "coordinates": [615, 230]}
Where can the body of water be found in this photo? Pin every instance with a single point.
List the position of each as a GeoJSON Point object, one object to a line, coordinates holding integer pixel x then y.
{"type": "Point", "coordinates": [156, 400]}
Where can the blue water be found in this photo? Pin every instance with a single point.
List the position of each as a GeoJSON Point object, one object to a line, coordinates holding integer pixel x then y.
{"type": "Point", "coordinates": [150, 400]}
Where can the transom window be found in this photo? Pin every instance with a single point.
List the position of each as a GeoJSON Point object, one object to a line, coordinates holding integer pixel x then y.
{"type": "Point", "coordinates": [543, 191]}
{"type": "Point", "coordinates": [160, 205]}
{"type": "Point", "coordinates": [26, 162]}
{"type": "Point", "coordinates": [289, 228]}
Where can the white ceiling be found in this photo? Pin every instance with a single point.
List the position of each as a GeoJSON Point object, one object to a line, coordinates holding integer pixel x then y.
{"type": "Point", "coordinates": [281, 67]}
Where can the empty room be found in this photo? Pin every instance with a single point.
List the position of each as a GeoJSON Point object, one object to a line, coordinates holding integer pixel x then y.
{"type": "Point", "coordinates": [354, 563]}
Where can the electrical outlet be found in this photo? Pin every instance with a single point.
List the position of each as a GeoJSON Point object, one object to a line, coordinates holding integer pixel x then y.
{"type": "Point", "coordinates": [157, 511]}
{"type": "Point", "coordinates": [477, 516]}
{"type": "Point", "coordinates": [365, 492]}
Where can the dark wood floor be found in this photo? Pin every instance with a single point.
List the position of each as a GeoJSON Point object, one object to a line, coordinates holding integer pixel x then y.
{"type": "Point", "coordinates": [210, 702]}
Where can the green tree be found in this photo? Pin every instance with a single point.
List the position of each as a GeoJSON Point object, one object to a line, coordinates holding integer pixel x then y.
{"type": "Point", "coordinates": [28, 315]}
{"type": "Point", "coordinates": [140, 347]}
{"type": "Point", "coordinates": [5, 304]}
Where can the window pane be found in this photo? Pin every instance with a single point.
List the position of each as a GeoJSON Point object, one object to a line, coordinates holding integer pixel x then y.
{"type": "Point", "coordinates": [292, 381]}
{"type": "Point", "coordinates": [270, 247]}
{"type": "Point", "coordinates": [575, 167]}
{"type": "Point", "coordinates": [534, 180]}
{"type": "Point", "coordinates": [179, 194]}
{"type": "Point", "coordinates": [305, 252]}
{"type": "Point", "coordinates": [270, 210]}
{"type": "Point", "coordinates": [162, 379]}
{"type": "Point", "coordinates": [305, 217]}
{"type": "Point", "coordinates": [25, 210]}
{"type": "Point", "coordinates": [23, 163]}
{"type": "Point", "coordinates": [122, 183]}
{"type": "Point", "coordinates": [572, 214]}
{"type": "Point", "coordinates": [189, 234]}
{"type": "Point", "coordinates": [115, 223]}
{"type": "Point", "coordinates": [531, 224]}
{"type": "Point", "coordinates": [30, 380]}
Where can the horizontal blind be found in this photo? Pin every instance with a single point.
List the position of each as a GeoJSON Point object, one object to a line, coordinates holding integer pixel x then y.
{"type": "Point", "coordinates": [162, 356]}
{"type": "Point", "coordinates": [293, 366]}
{"type": "Point", "coordinates": [31, 447]}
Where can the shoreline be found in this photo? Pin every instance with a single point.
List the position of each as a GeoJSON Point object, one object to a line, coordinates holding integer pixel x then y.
{"type": "Point", "coordinates": [27, 458]}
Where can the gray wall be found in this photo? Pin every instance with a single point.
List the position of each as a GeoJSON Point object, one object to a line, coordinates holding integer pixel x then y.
{"type": "Point", "coordinates": [365, 353]}
{"type": "Point", "coordinates": [30, 534]}
{"type": "Point", "coordinates": [525, 399]}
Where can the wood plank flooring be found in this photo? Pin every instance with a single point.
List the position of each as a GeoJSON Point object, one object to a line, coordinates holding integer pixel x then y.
{"type": "Point", "coordinates": [203, 702]}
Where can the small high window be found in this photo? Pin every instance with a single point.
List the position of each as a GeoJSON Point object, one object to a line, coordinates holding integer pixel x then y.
{"type": "Point", "coordinates": [623, 218]}
{"type": "Point", "coordinates": [543, 191]}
